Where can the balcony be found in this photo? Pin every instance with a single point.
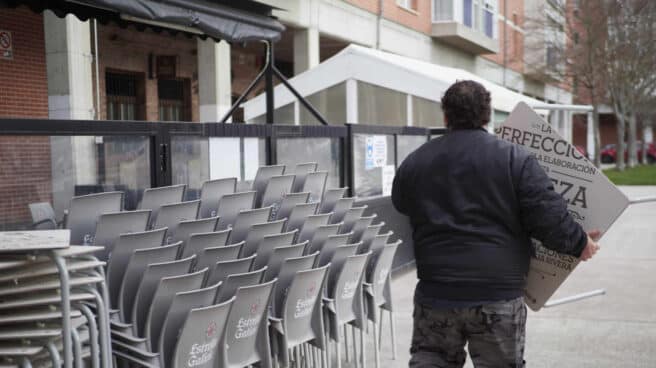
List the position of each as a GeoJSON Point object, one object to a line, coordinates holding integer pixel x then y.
{"type": "Point", "coordinates": [463, 37]}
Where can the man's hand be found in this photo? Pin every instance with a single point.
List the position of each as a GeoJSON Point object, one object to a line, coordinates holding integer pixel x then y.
{"type": "Point", "coordinates": [592, 247]}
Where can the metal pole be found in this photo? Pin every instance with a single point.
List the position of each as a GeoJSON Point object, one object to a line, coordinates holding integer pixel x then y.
{"type": "Point", "coordinates": [642, 200]}
{"type": "Point", "coordinates": [269, 90]}
{"type": "Point", "coordinates": [575, 298]}
{"type": "Point", "coordinates": [300, 98]}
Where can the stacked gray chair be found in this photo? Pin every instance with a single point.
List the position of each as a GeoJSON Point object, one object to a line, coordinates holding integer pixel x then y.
{"type": "Point", "coordinates": [288, 203]}
{"type": "Point", "coordinates": [369, 234]}
{"type": "Point", "coordinates": [119, 258]}
{"type": "Point", "coordinates": [208, 257]}
{"type": "Point", "coordinates": [84, 211]}
{"type": "Point", "coordinates": [310, 226]}
{"type": "Point", "coordinates": [264, 173]}
{"type": "Point", "coordinates": [154, 198]}
{"type": "Point", "coordinates": [377, 279]}
{"type": "Point", "coordinates": [330, 246]}
{"type": "Point", "coordinates": [276, 190]}
{"type": "Point", "coordinates": [257, 233]}
{"type": "Point", "coordinates": [299, 316]}
{"type": "Point", "coordinates": [134, 270]}
{"type": "Point", "coordinates": [230, 205]}
{"type": "Point", "coordinates": [330, 199]}
{"type": "Point", "coordinates": [171, 215]}
{"type": "Point", "coordinates": [344, 304]}
{"type": "Point", "coordinates": [301, 171]}
{"type": "Point", "coordinates": [361, 225]}
{"type": "Point", "coordinates": [234, 281]}
{"type": "Point", "coordinates": [111, 225]}
{"type": "Point", "coordinates": [315, 184]}
{"type": "Point", "coordinates": [246, 341]}
{"type": "Point", "coordinates": [211, 192]}
{"type": "Point", "coordinates": [321, 235]}
{"type": "Point", "coordinates": [269, 243]}
{"type": "Point", "coordinates": [245, 220]}
{"type": "Point", "coordinates": [279, 256]}
{"type": "Point", "coordinates": [298, 215]}
{"type": "Point", "coordinates": [222, 269]}
{"type": "Point", "coordinates": [340, 208]}
{"type": "Point", "coordinates": [201, 240]}
{"type": "Point", "coordinates": [206, 324]}
{"type": "Point", "coordinates": [351, 217]}
{"type": "Point", "coordinates": [188, 227]}
{"type": "Point", "coordinates": [43, 216]}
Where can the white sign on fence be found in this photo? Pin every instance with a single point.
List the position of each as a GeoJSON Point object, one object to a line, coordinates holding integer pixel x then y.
{"type": "Point", "coordinates": [591, 198]}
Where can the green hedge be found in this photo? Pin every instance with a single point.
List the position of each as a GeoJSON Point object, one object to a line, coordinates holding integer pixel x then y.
{"type": "Point", "coordinates": [639, 175]}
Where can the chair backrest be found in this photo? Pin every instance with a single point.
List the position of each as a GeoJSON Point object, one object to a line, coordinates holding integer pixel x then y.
{"type": "Point", "coordinates": [361, 226]}
{"type": "Point", "coordinates": [257, 234]}
{"type": "Point", "coordinates": [368, 236]}
{"type": "Point", "coordinates": [279, 255]}
{"type": "Point", "coordinates": [198, 341]}
{"type": "Point", "coordinates": [299, 213]}
{"type": "Point", "coordinates": [311, 225]}
{"type": "Point", "coordinates": [339, 257]}
{"type": "Point", "coordinates": [330, 245]}
{"type": "Point", "coordinates": [301, 170]}
{"type": "Point", "coordinates": [152, 274]}
{"type": "Point", "coordinates": [262, 176]}
{"type": "Point", "coordinates": [111, 225]}
{"type": "Point", "coordinates": [247, 336]}
{"type": "Point", "coordinates": [201, 240]}
{"type": "Point", "coordinates": [208, 257]}
{"type": "Point", "coordinates": [117, 264]}
{"type": "Point", "coordinates": [269, 243]}
{"type": "Point", "coordinates": [288, 202]}
{"type": "Point", "coordinates": [230, 205]}
{"type": "Point", "coordinates": [162, 299]}
{"type": "Point", "coordinates": [84, 211]}
{"type": "Point", "coordinates": [288, 270]}
{"type": "Point", "coordinates": [134, 273]}
{"type": "Point", "coordinates": [321, 235]}
{"type": "Point", "coordinates": [315, 183]}
{"type": "Point", "coordinates": [351, 217]}
{"type": "Point", "coordinates": [245, 220]}
{"type": "Point", "coordinates": [171, 215]}
{"type": "Point", "coordinates": [377, 243]}
{"type": "Point", "coordinates": [330, 198]}
{"type": "Point", "coordinates": [222, 269]}
{"type": "Point", "coordinates": [211, 192]}
{"type": "Point", "coordinates": [43, 216]}
{"type": "Point", "coordinates": [182, 303]}
{"type": "Point", "coordinates": [346, 290]}
{"type": "Point", "coordinates": [188, 227]}
{"type": "Point", "coordinates": [276, 189]}
{"type": "Point", "coordinates": [154, 198]}
{"type": "Point", "coordinates": [301, 311]}
{"type": "Point", "coordinates": [233, 282]}
{"type": "Point", "coordinates": [378, 270]}
{"type": "Point", "coordinates": [342, 205]}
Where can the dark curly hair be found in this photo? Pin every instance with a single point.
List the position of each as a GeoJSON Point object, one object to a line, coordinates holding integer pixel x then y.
{"type": "Point", "coordinates": [466, 105]}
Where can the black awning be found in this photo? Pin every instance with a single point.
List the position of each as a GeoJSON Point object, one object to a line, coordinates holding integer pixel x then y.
{"type": "Point", "coordinates": [248, 21]}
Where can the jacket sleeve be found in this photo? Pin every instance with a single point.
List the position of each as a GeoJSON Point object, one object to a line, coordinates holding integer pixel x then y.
{"type": "Point", "coordinates": [398, 198]}
{"type": "Point", "coordinates": [544, 213]}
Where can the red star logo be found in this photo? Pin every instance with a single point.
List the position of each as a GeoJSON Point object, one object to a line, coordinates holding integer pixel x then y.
{"type": "Point", "coordinates": [211, 329]}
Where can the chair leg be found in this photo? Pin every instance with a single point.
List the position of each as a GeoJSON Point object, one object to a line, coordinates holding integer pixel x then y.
{"type": "Point", "coordinates": [77, 349]}
{"type": "Point", "coordinates": [54, 355]}
{"type": "Point", "coordinates": [355, 347]}
{"type": "Point", "coordinates": [339, 355]}
{"type": "Point", "coordinates": [93, 335]}
{"type": "Point", "coordinates": [25, 363]}
{"type": "Point", "coordinates": [346, 349]}
{"type": "Point", "coordinates": [393, 332]}
{"type": "Point", "coordinates": [380, 328]}
{"type": "Point", "coordinates": [376, 346]}
{"type": "Point", "coordinates": [362, 348]}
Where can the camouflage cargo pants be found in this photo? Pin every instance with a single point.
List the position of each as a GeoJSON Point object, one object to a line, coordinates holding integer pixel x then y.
{"type": "Point", "coordinates": [494, 332]}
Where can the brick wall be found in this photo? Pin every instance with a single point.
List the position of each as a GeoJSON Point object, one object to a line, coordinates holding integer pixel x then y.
{"type": "Point", "coordinates": [128, 49]}
{"type": "Point", "coordinates": [513, 39]}
{"type": "Point", "coordinates": [25, 174]}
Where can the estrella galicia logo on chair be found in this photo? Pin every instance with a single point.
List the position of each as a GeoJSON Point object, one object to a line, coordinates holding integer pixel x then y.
{"type": "Point", "coordinates": [247, 326]}
{"type": "Point", "coordinates": [201, 353]}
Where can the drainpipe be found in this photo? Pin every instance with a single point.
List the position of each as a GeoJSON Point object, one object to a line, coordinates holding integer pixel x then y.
{"type": "Point", "coordinates": [378, 23]}
{"type": "Point", "coordinates": [505, 40]}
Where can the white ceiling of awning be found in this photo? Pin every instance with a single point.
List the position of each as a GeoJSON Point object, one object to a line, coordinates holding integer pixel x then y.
{"type": "Point", "coordinates": [400, 73]}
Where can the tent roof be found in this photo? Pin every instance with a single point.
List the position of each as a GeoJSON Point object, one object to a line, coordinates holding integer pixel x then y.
{"type": "Point", "coordinates": [233, 21]}
{"type": "Point", "coordinates": [399, 73]}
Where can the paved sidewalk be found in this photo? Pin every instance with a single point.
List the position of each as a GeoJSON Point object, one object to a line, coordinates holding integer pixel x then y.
{"type": "Point", "coordinates": [615, 330]}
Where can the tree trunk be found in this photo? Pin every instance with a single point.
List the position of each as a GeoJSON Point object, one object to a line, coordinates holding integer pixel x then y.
{"type": "Point", "coordinates": [632, 138]}
{"type": "Point", "coordinates": [597, 136]}
{"type": "Point", "coordinates": [621, 146]}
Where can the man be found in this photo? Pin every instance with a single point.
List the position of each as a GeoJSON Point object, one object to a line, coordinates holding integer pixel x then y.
{"type": "Point", "coordinates": [474, 202]}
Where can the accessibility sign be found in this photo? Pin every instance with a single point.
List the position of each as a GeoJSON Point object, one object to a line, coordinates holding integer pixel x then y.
{"type": "Point", "coordinates": [591, 198]}
{"type": "Point", "coordinates": [6, 45]}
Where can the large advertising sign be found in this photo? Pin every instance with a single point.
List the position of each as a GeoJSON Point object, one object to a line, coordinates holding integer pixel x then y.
{"type": "Point", "coordinates": [591, 198]}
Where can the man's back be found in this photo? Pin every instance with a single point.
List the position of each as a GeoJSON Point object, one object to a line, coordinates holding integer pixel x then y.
{"type": "Point", "coordinates": [459, 192]}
